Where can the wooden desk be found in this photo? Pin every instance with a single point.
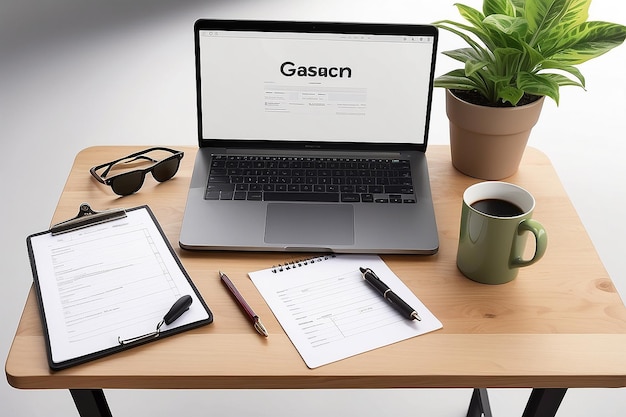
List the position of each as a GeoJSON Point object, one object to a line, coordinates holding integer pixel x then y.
{"type": "Point", "coordinates": [560, 324]}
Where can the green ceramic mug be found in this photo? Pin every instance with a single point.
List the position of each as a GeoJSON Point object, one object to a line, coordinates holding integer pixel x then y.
{"type": "Point", "coordinates": [496, 220]}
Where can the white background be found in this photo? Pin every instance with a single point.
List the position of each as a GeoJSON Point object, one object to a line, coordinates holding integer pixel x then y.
{"type": "Point", "coordinates": [75, 74]}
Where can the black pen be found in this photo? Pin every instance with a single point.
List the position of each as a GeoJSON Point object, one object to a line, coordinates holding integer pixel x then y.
{"type": "Point", "coordinates": [256, 321]}
{"type": "Point", "coordinates": [396, 302]}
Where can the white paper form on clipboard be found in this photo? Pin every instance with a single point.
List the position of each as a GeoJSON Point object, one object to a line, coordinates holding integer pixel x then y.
{"type": "Point", "coordinates": [330, 313]}
{"type": "Point", "coordinates": [113, 280]}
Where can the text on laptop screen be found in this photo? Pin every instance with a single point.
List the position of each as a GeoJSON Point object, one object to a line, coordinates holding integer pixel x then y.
{"type": "Point", "coordinates": [314, 86]}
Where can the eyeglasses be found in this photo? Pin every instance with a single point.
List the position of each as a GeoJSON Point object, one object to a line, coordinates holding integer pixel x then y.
{"type": "Point", "coordinates": [130, 182]}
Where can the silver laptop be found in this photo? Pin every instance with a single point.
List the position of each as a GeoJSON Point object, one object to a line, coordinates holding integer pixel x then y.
{"type": "Point", "coordinates": [312, 138]}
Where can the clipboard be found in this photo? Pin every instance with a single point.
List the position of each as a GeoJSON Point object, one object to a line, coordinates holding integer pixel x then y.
{"type": "Point", "coordinates": [104, 282]}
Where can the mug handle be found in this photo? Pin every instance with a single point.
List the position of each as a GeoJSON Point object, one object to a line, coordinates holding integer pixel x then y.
{"type": "Point", "coordinates": [541, 242]}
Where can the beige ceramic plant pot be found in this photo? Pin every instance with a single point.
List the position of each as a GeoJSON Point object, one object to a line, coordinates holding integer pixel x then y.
{"type": "Point", "coordinates": [488, 142]}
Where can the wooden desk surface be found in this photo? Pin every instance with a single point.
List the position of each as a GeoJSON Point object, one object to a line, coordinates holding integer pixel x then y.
{"type": "Point", "coordinates": [561, 323]}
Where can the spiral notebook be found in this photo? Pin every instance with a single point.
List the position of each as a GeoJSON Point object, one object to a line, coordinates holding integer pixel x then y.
{"type": "Point", "coordinates": [330, 313]}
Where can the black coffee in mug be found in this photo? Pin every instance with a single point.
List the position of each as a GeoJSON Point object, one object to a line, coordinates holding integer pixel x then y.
{"type": "Point", "coordinates": [497, 207]}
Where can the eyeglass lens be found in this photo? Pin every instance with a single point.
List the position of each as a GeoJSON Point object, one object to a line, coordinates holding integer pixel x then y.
{"type": "Point", "coordinates": [128, 183]}
{"type": "Point", "coordinates": [131, 182]}
{"type": "Point", "coordinates": [165, 169]}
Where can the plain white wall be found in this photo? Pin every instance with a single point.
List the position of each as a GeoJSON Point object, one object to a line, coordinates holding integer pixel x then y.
{"type": "Point", "coordinates": [75, 74]}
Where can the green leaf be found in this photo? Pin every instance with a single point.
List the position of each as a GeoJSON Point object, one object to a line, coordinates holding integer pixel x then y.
{"type": "Point", "coordinates": [557, 65]}
{"type": "Point", "coordinates": [562, 80]}
{"type": "Point", "coordinates": [510, 94]}
{"type": "Point", "coordinates": [532, 59]}
{"type": "Point", "coordinates": [472, 59]}
{"type": "Point", "coordinates": [539, 85]}
{"type": "Point", "coordinates": [512, 26]}
{"type": "Point", "coordinates": [463, 54]}
{"type": "Point", "coordinates": [542, 16]}
{"type": "Point", "coordinates": [475, 18]}
{"type": "Point", "coordinates": [504, 7]}
{"type": "Point", "coordinates": [576, 14]}
{"type": "Point", "coordinates": [472, 66]}
{"type": "Point", "coordinates": [497, 79]}
{"type": "Point", "coordinates": [457, 28]}
{"type": "Point", "coordinates": [589, 40]}
{"type": "Point", "coordinates": [470, 14]}
{"type": "Point", "coordinates": [455, 79]}
{"type": "Point", "coordinates": [518, 6]}
{"type": "Point", "coordinates": [507, 61]}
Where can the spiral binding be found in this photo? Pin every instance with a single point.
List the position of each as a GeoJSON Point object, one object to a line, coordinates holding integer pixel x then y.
{"type": "Point", "coordinates": [300, 263]}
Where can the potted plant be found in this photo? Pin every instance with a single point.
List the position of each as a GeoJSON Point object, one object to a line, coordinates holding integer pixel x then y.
{"type": "Point", "coordinates": [519, 52]}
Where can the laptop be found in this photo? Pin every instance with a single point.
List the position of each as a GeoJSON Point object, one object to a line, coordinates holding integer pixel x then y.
{"type": "Point", "coordinates": [312, 138]}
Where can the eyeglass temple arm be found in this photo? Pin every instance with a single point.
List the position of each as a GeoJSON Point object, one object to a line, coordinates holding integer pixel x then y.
{"type": "Point", "coordinates": [106, 171]}
{"type": "Point", "coordinates": [110, 165]}
{"type": "Point", "coordinates": [136, 155]}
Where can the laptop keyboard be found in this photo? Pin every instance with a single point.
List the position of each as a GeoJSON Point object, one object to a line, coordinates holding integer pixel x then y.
{"type": "Point", "coordinates": [348, 180]}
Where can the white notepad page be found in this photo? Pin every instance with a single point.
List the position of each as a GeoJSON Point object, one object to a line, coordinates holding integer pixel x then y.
{"type": "Point", "coordinates": [330, 312]}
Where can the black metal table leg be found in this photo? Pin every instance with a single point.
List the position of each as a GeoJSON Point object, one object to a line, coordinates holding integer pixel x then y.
{"type": "Point", "coordinates": [91, 403]}
{"type": "Point", "coordinates": [544, 402]}
{"type": "Point", "coordinates": [479, 404]}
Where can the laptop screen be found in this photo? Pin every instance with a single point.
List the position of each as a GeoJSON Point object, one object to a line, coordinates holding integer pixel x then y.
{"type": "Point", "coordinates": [341, 83]}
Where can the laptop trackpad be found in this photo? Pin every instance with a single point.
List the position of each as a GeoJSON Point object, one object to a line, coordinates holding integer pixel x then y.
{"type": "Point", "coordinates": [310, 224]}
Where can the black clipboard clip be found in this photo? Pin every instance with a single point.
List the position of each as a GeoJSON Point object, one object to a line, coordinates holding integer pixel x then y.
{"type": "Point", "coordinates": [87, 217]}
